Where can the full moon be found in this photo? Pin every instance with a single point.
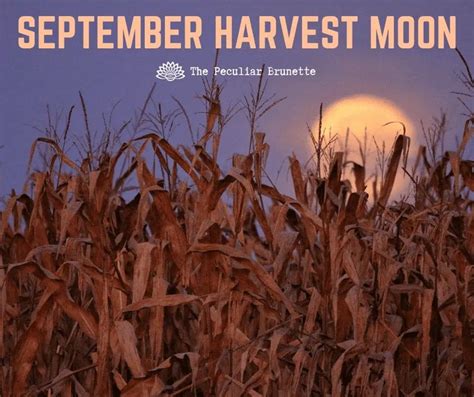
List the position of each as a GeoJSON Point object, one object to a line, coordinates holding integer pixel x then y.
{"type": "Point", "coordinates": [370, 121]}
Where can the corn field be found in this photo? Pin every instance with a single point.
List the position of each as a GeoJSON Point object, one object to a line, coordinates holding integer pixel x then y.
{"type": "Point", "coordinates": [137, 274]}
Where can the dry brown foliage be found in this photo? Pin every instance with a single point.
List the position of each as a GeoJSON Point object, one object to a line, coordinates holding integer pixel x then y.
{"type": "Point", "coordinates": [215, 283]}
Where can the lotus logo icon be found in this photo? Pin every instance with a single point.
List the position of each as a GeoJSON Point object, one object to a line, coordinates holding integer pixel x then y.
{"type": "Point", "coordinates": [170, 71]}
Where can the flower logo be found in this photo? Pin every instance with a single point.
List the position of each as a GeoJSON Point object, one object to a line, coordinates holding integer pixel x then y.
{"type": "Point", "coordinates": [170, 71]}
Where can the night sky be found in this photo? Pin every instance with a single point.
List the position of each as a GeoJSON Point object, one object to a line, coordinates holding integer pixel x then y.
{"type": "Point", "coordinates": [419, 82]}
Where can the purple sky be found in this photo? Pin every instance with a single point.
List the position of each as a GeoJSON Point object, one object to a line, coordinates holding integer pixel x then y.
{"type": "Point", "coordinates": [418, 81]}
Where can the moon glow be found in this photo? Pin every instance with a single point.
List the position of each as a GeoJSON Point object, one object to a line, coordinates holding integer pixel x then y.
{"type": "Point", "coordinates": [372, 122]}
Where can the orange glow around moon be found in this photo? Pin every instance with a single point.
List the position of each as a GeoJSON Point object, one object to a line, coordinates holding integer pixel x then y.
{"type": "Point", "coordinates": [365, 117]}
